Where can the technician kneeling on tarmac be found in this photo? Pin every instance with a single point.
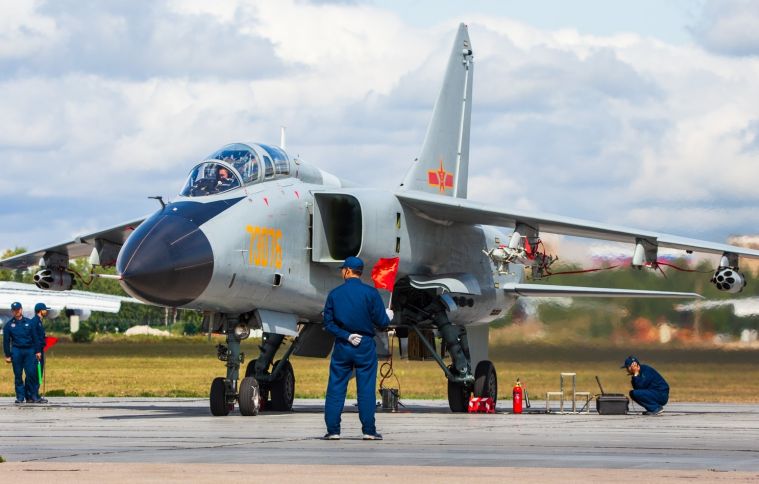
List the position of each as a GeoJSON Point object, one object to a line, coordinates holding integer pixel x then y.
{"type": "Point", "coordinates": [351, 313]}
{"type": "Point", "coordinates": [20, 346]}
{"type": "Point", "coordinates": [650, 389]}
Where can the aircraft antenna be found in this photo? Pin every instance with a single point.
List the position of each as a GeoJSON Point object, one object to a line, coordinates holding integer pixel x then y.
{"type": "Point", "coordinates": [160, 200]}
{"type": "Point", "coordinates": [282, 136]}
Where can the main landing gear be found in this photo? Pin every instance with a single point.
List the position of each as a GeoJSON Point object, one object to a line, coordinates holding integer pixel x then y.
{"type": "Point", "coordinates": [462, 383]}
{"type": "Point", "coordinates": [265, 385]}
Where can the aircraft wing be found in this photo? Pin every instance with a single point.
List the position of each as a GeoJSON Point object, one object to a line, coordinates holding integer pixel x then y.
{"type": "Point", "coordinates": [547, 290]}
{"type": "Point", "coordinates": [457, 210]}
{"type": "Point", "coordinates": [81, 246]}
{"type": "Point", "coordinates": [29, 295]}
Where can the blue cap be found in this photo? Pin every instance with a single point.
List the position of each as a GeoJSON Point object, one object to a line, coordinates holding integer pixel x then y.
{"type": "Point", "coordinates": [629, 361]}
{"type": "Point", "coordinates": [16, 305]}
{"type": "Point", "coordinates": [353, 263]}
{"type": "Point", "coordinates": [40, 307]}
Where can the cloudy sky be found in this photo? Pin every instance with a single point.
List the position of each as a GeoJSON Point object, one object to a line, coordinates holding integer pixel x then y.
{"type": "Point", "coordinates": [639, 113]}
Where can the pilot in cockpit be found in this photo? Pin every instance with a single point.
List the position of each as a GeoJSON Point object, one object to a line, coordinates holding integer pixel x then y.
{"type": "Point", "coordinates": [224, 179]}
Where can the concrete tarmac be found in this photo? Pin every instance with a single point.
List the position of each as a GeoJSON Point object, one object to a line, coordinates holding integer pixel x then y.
{"type": "Point", "coordinates": [710, 441]}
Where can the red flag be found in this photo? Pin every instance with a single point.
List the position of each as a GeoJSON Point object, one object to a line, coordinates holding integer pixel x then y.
{"type": "Point", "coordinates": [50, 341]}
{"type": "Point", "coordinates": [384, 272]}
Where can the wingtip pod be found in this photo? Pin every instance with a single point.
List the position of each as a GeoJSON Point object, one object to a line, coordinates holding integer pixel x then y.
{"type": "Point", "coordinates": [443, 164]}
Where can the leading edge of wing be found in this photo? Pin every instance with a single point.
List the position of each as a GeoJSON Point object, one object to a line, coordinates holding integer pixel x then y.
{"type": "Point", "coordinates": [81, 246]}
{"type": "Point", "coordinates": [29, 294]}
{"type": "Point", "coordinates": [447, 209]}
{"type": "Point", "coordinates": [547, 290]}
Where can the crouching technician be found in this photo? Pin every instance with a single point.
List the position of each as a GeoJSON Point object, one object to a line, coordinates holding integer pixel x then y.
{"type": "Point", "coordinates": [351, 313]}
{"type": "Point", "coordinates": [650, 389]}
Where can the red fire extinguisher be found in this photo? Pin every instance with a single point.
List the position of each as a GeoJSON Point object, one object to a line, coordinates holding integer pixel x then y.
{"type": "Point", "coordinates": [517, 397]}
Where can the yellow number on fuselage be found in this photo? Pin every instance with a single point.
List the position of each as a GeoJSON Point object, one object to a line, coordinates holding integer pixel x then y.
{"type": "Point", "coordinates": [264, 249]}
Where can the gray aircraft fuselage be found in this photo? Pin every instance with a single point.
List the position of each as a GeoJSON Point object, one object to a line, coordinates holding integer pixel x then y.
{"type": "Point", "coordinates": [273, 245]}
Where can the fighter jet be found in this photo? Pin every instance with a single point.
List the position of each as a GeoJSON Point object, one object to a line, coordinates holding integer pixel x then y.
{"type": "Point", "coordinates": [255, 237]}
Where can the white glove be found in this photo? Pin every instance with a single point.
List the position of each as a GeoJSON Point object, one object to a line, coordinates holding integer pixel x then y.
{"type": "Point", "coordinates": [390, 314]}
{"type": "Point", "coordinates": [355, 339]}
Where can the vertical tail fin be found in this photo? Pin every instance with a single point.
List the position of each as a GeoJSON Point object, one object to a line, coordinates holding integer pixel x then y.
{"type": "Point", "coordinates": [443, 165]}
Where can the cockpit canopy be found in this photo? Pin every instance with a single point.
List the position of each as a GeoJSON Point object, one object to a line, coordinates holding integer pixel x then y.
{"type": "Point", "coordinates": [209, 178]}
{"type": "Point", "coordinates": [249, 164]}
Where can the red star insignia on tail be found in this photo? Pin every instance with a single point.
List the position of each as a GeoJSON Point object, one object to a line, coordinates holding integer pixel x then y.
{"type": "Point", "coordinates": [440, 178]}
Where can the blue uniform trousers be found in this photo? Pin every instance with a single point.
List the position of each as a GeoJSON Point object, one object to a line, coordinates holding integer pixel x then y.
{"type": "Point", "coordinates": [23, 360]}
{"type": "Point", "coordinates": [28, 387]}
{"type": "Point", "coordinates": [346, 357]}
{"type": "Point", "coordinates": [651, 400]}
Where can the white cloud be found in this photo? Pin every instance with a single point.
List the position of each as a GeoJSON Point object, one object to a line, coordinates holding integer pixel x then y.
{"type": "Point", "coordinates": [116, 101]}
{"type": "Point", "coordinates": [134, 40]}
{"type": "Point", "coordinates": [729, 27]}
{"type": "Point", "coordinates": [23, 31]}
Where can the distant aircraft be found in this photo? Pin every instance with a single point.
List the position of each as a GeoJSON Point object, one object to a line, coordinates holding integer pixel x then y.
{"type": "Point", "coordinates": [78, 304]}
{"type": "Point", "coordinates": [255, 237]}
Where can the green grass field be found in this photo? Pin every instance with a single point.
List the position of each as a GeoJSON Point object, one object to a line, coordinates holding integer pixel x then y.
{"type": "Point", "coordinates": [185, 368]}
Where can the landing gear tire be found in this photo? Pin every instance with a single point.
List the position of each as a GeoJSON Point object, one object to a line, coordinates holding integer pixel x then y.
{"type": "Point", "coordinates": [283, 390]}
{"type": "Point", "coordinates": [218, 398]}
{"type": "Point", "coordinates": [458, 396]}
{"type": "Point", "coordinates": [263, 389]}
{"type": "Point", "coordinates": [486, 381]}
{"type": "Point", "coordinates": [250, 397]}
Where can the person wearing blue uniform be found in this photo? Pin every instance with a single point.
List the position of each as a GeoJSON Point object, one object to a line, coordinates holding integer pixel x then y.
{"type": "Point", "coordinates": [351, 313]}
{"type": "Point", "coordinates": [40, 312]}
{"type": "Point", "coordinates": [650, 389]}
{"type": "Point", "coordinates": [20, 348]}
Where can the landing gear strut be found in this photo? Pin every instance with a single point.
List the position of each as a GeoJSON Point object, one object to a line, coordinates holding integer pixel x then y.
{"type": "Point", "coordinates": [259, 384]}
{"type": "Point", "coordinates": [461, 382]}
{"type": "Point", "coordinates": [223, 394]}
{"type": "Point", "coordinates": [278, 386]}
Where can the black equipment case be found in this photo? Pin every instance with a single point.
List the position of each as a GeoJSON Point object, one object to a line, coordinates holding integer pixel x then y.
{"type": "Point", "coordinates": [611, 403]}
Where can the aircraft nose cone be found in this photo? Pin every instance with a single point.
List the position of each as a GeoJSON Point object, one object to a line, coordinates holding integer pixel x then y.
{"type": "Point", "coordinates": [167, 261]}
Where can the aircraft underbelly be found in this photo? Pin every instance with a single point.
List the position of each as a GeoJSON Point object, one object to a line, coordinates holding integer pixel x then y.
{"type": "Point", "coordinates": [434, 248]}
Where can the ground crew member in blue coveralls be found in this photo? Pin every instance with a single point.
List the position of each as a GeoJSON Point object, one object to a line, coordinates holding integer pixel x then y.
{"type": "Point", "coordinates": [650, 389]}
{"type": "Point", "coordinates": [40, 312]}
{"type": "Point", "coordinates": [351, 313]}
{"type": "Point", "coordinates": [20, 348]}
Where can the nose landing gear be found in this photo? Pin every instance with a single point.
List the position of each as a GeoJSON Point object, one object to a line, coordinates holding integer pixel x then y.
{"type": "Point", "coordinates": [259, 389]}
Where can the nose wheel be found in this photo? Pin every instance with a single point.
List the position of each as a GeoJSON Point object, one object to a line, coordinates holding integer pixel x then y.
{"type": "Point", "coordinates": [250, 397]}
{"type": "Point", "coordinates": [258, 383]}
{"type": "Point", "coordinates": [218, 398]}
